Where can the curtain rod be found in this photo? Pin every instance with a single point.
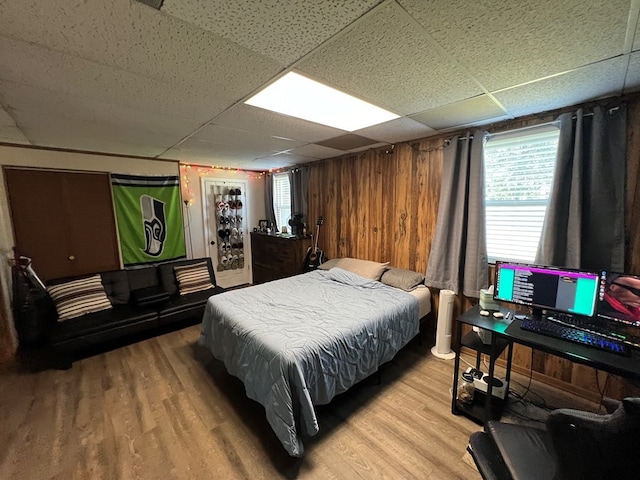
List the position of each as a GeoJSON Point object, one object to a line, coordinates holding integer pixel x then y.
{"type": "Point", "coordinates": [558, 112]}
{"type": "Point", "coordinates": [538, 125]}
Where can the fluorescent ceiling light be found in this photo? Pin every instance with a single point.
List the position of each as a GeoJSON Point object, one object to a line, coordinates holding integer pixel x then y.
{"type": "Point", "coordinates": [301, 97]}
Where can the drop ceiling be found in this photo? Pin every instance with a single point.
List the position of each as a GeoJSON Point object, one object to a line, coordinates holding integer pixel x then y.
{"type": "Point", "coordinates": [168, 78]}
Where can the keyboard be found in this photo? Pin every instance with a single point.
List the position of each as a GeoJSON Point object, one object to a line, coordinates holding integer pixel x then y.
{"type": "Point", "coordinates": [597, 326]}
{"type": "Point", "coordinates": [554, 329]}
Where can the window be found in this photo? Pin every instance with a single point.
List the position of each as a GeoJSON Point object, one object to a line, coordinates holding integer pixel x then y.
{"type": "Point", "coordinates": [519, 170]}
{"type": "Point", "coordinates": [281, 199]}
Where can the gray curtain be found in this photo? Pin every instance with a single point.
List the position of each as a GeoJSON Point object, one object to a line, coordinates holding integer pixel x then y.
{"type": "Point", "coordinates": [268, 199]}
{"type": "Point", "coordinates": [458, 258]}
{"type": "Point", "coordinates": [584, 224]}
{"type": "Point", "coordinates": [299, 183]}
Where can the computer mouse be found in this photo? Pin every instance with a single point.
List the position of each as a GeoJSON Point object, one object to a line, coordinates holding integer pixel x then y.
{"type": "Point", "coordinates": [498, 314]}
{"type": "Point", "coordinates": [484, 313]}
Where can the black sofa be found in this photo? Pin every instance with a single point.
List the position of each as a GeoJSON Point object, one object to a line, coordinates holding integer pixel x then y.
{"type": "Point", "coordinates": [143, 300]}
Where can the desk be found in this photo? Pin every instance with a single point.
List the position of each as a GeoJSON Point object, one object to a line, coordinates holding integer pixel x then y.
{"type": "Point", "coordinates": [504, 334]}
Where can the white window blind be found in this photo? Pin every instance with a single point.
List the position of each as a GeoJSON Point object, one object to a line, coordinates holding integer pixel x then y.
{"type": "Point", "coordinates": [519, 169]}
{"type": "Point", "coordinates": [281, 199]}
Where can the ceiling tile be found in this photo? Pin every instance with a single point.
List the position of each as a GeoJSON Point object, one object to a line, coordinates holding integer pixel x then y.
{"type": "Point", "coordinates": [75, 134]}
{"type": "Point", "coordinates": [588, 83]}
{"type": "Point", "coordinates": [152, 3]}
{"type": "Point", "coordinates": [28, 102]}
{"type": "Point", "coordinates": [469, 111]}
{"type": "Point", "coordinates": [6, 120]}
{"type": "Point", "coordinates": [347, 142]}
{"type": "Point", "coordinates": [253, 141]}
{"type": "Point", "coordinates": [386, 59]}
{"type": "Point", "coordinates": [398, 130]}
{"type": "Point", "coordinates": [632, 80]}
{"type": "Point", "coordinates": [636, 37]}
{"type": "Point", "coordinates": [199, 151]}
{"type": "Point", "coordinates": [269, 123]}
{"type": "Point", "coordinates": [198, 157]}
{"type": "Point", "coordinates": [269, 163]}
{"type": "Point", "coordinates": [135, 38]}
{"type": "Point", "coordinates": [316, 151]}
{"type": "Point", "coordinates": [284, 30]}
{"type": "Point", "coordinates": [501, 42]}
{"type": "Point", "coordinates": [11, 134]}
{"type": "Point", "coordinates": [121, 77]}
{"type": "Point", "coordinates": [27, 64]}
{"type": "Point", "coordinates": [219, 146]}
{"type": "Point", "coordinates": [367, 147]}
{"type": "Point", "coordinates": [284, 158]}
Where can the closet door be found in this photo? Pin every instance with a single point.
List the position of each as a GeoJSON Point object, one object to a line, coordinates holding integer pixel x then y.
{"type": "Point", "coordinates": [64, 221]}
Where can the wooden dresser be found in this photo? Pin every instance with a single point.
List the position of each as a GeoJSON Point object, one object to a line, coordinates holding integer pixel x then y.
{"type": "Point", "coordinates": [275, 256]}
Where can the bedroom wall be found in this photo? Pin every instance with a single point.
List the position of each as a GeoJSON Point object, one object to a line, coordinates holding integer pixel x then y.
{"type": "Point", "coordinates": [52, 159]}
{"type": "Point", "coordinates": [192, 175]}
{"type": "Point", "coordinates": [383, 207]}
{"type": "Point", "coordinates": [379, 206]}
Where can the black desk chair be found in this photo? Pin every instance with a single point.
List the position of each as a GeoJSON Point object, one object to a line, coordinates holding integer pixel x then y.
{"type": "Point", "coordinates": [574, 445]}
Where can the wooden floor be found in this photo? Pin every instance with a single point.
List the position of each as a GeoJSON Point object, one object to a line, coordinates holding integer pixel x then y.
{"type": "Point", "coordinates": [164, 408]}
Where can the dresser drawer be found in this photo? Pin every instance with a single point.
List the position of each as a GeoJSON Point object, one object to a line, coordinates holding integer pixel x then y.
{"type": "Point", "coordinates": [275, 257]}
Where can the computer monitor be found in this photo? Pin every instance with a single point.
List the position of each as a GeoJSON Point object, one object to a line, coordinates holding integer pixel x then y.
{"type": "Point", "coordinates": [547, 288]}
{"type": "Point", "coordinates": [619, 298]}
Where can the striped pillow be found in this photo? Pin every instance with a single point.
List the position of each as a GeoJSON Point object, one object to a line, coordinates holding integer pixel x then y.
{"type": "Point", "coordinates": [193, 278]}
{"type": "Point", "coordinates": [79, 297]}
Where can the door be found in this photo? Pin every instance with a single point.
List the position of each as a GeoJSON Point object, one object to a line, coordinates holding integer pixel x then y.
{"type": "Point", "coordinates": [64, 221]}
{"type": "Point", "coordinates": [225, 210]}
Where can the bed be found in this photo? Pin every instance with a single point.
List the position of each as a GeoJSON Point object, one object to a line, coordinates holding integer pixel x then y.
{"type": "Point", "coordinates": [300, 341]}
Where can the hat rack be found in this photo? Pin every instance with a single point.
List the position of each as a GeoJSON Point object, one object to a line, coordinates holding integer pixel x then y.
{"type": "Point", "coordinates": [231, 225]}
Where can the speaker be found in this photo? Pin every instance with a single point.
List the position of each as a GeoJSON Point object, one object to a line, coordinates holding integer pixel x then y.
{"type": "Point", "coordinates": [442, 348]}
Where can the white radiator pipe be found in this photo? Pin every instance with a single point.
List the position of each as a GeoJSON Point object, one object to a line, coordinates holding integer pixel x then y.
{"type": "Point", "coordinates": [442, 348]}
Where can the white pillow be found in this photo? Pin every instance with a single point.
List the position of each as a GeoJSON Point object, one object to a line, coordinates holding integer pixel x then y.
{"type": "Point", "coordinates": [364, 268]}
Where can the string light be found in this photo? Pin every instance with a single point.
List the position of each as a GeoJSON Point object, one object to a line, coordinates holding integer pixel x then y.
{"type": "Point", "coordinates": [203, 170]}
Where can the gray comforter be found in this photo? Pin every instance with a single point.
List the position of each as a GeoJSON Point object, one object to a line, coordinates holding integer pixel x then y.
{"type": "Point", "coordinates": [299, 341]}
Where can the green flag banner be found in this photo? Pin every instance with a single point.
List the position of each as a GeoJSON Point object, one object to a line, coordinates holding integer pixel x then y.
{"type": "Point", "coordinates": [149, 218]}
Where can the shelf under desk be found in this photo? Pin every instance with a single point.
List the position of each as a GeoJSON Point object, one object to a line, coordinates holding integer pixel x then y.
{"type": "Point", "coordinates": [506, 333]}
{"type": "Point", "coordinates": [492, 407]}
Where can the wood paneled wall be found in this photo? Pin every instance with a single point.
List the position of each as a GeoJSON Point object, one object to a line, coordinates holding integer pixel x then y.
{"type": "Point", "coordinates": [382, 205]}
{"type": "Point", "coordinates": [379, 206]}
